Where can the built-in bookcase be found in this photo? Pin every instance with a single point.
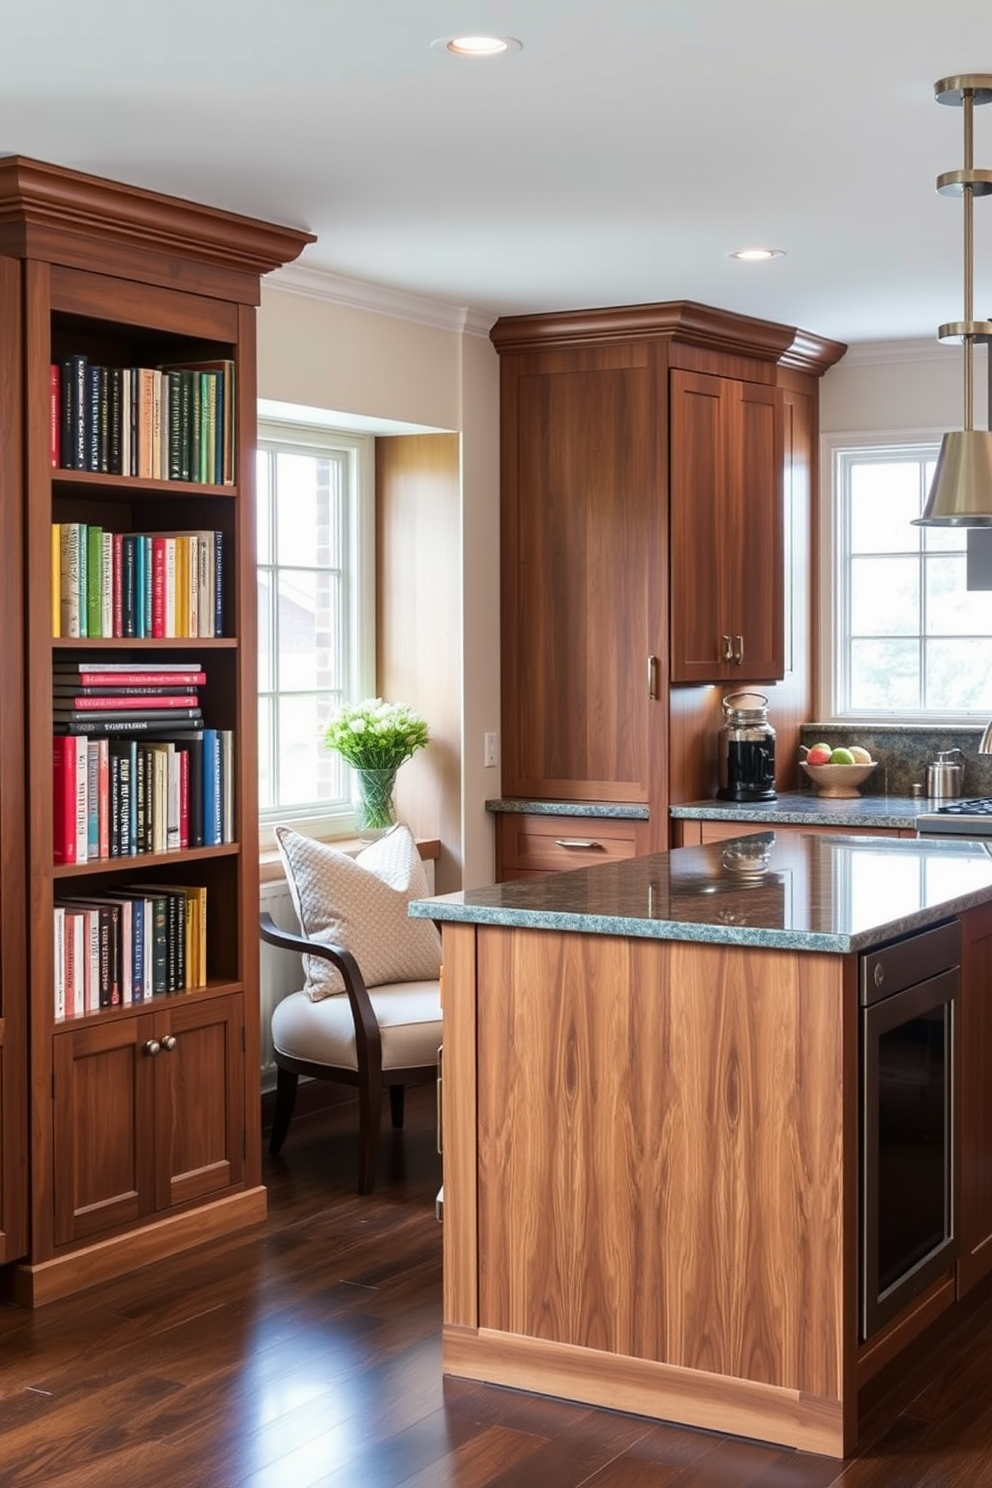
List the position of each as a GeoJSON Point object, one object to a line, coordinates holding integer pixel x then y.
{"type": "Point", "coordinates": [143, 1116]}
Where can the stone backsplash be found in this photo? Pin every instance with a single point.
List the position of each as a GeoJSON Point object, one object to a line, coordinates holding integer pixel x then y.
{"type": "Point", "coordinates": [903, 752]}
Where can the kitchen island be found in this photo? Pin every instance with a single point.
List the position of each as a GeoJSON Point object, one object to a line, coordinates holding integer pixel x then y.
{"type": "Point", "coordinates": [651, 1127]}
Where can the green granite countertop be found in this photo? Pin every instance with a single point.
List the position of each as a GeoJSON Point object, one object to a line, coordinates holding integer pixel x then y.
{"type": "Point", "coordinates": [797, 891]}
{"type": "Point", "coordinates": [806, 808]}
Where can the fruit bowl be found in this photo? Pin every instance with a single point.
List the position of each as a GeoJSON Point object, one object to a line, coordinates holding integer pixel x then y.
{"type": "Point", "coordinates": [838, 780]}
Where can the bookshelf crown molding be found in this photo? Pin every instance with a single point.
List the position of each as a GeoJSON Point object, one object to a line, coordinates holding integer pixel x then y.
{"type": "Point", "coordinates": [66, 216]}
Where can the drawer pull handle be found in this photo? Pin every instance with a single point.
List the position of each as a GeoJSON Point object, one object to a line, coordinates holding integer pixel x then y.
{"type": "Point", "coordinates": [653, 678]}
{"type": "Point", "coordinates": [728, 649]}
{"type": "Point", "coordinates": [739, 652]}
{"type": "Point", "coordinates": [578, 842]}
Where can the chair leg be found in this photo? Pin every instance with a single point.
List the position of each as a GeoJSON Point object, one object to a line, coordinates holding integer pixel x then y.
{"type": "Point", "coordinates": [396, 1093]}
{"type": "Point", "coordinates": [369, 1119]}
{"type": "Point", "coordinates": [286, 1083]}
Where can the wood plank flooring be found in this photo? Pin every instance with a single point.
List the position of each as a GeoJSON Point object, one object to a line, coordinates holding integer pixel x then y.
{"type": "Point", "coordinates": [307, 1355]}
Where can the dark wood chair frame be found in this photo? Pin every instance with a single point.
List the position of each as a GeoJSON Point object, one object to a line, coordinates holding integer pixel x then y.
{"type": "Point", "coordinates": [369, 1077]}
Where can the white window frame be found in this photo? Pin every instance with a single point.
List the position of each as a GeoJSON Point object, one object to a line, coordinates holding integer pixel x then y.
{"type": "Point", "coordinates": [832, 588]}
{"type": "Point", "coordinates": [336, 820]}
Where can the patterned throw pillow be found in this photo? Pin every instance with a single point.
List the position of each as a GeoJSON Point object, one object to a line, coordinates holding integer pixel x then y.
{"type": "Point", "coordinates": [361, 903]}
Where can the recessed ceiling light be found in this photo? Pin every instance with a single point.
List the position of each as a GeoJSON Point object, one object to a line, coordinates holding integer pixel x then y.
{"type": "Point", "coordinates": [756, 255]}
{"type": "Point", "coordinates": [476, 46]}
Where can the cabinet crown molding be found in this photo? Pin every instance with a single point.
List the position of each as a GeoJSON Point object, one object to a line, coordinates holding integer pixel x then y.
{"type": "Point", "coordinates": [48, 212]}
{"type": "Point", "coordinates": [673, 320]}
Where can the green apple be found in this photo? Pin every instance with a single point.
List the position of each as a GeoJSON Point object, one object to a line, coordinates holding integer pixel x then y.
{"type": "Point", "coordinates": [841, 757]}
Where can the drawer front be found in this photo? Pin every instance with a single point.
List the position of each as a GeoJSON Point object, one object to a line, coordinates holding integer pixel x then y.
{"type": "Point", "coordinates": [692, 832]}
{"type": "Point", "coordinates": [553, 844]}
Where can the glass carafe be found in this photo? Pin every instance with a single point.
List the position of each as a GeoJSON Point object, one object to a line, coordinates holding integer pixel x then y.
{"type": "Point", "coordinates": [746, 754]}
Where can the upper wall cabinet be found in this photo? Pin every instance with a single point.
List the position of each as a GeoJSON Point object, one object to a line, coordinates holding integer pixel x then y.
{"type": "Point", "coordinates": [727, 471]}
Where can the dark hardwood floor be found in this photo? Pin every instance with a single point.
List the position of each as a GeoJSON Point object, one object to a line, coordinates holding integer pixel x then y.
{"type": "Point", "coordinates": [308, 1353]}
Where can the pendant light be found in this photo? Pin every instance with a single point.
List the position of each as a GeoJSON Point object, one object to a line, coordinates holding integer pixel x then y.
{"type": "Point", "coordinates": [961, 494]}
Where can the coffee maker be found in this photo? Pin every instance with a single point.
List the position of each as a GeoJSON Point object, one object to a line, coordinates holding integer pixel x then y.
{"type": "Point", "coordinates": [746, 751]}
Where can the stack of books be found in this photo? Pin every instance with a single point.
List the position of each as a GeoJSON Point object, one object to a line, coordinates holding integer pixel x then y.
{"type": "Point", "coordinates": [112, 950]}
{"type": "Point", "coordinates": [134, 769]}
{"type": "Point", "coordinates": [173, 422]}
{"type": "Point", "coordinates": [167, 585]}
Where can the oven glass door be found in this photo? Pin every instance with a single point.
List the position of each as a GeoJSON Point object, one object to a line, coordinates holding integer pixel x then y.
{"type": "Point", "coordinates": [907, 1154]}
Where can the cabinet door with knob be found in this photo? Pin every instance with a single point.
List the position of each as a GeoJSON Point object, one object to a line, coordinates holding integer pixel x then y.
{"type": "Point", "coordinates": [727, 557]}
{"type": "Point", "coordinates": [148, 1115]}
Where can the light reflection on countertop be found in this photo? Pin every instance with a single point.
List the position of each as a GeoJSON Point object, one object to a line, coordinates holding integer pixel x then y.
{"type": "Point", "coordinates": [791, 890]}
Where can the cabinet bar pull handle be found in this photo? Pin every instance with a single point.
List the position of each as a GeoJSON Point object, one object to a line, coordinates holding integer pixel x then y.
{"type": "Point", "coordinates": [739, 653]}
{"type": "Point", "coordinates": [653, 678]}
{"type": "Point", "coordinates": [728, 650]}
{"type": "Point", "coordinates": [577, 842]}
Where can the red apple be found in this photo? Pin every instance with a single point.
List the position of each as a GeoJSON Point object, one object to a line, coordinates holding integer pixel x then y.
{"type": "Point", "coordinates": [819, 755]}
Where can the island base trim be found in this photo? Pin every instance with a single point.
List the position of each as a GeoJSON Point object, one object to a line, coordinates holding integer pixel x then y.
{"type": "Point", "coordinates": [644, 1387]}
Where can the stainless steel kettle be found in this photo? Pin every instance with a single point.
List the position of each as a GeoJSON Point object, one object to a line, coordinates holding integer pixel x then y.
{"type": "Point", "coordinates": [944, 775]}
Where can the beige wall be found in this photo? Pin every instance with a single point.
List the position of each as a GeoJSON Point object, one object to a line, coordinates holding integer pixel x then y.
{"type": "Point", "coordinates": [918, 386]}
{"type": "Point", "coordinates": [321, 353]}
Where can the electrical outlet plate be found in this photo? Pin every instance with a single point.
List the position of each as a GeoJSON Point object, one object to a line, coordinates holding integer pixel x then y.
{"type": "Point", "coordinates": [491, 751]}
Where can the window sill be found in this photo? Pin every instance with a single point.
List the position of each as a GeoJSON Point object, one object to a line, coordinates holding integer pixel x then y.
{"type": "Point", "coordinates": [270, 864]}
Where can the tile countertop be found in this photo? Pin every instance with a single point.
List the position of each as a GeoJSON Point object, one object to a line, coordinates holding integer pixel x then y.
{"type": "Point", "coordinates": [806, 808]}
{"type": "Point", "coordinates": [798, 891]}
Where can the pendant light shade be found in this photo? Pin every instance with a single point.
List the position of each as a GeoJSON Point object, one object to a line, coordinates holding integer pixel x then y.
{"type": "Point", "coordinates": [961, 494]}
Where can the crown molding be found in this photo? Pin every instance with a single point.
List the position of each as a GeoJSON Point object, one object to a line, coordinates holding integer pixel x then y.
{"type": "Point", "coordinates": [379, 299]}
{"type": "Point", "coordinates": [879, 353]}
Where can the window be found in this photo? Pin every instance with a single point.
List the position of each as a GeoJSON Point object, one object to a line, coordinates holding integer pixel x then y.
{"type": "Point", "coordinates": [315, 615]}
{"type": "Point", "coordinates": [903, 635]}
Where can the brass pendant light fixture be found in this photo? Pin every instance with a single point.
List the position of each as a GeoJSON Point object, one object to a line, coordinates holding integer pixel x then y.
{"type": "Point", "coordinates": [961, 493]}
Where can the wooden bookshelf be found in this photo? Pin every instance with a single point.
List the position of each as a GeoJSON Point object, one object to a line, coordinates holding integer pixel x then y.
{"type": "Point", "coordinates": [138, 1125]}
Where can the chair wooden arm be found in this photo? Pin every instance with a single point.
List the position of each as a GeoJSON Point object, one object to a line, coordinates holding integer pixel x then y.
{"type": "Point", "coordinates": [367, 1033]}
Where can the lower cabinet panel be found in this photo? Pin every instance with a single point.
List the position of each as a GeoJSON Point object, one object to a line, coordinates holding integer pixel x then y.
{"type": "Point", "coordinates": [148, 1115]}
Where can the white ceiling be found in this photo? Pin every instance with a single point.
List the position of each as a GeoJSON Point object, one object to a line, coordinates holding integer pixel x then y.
{"type": "Point", "coordinates": [616, 159]}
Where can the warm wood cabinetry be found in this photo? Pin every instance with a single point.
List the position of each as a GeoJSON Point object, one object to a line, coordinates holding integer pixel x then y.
{"type": "Point", "coordinates": [143, 1116]}
{"type": "Point", "coordinates": [727, 556]}
{"type": "Point", "coordinates": [645, 460]}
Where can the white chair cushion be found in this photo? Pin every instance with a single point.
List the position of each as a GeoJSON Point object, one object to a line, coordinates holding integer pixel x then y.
{"type": "Point", "coordinates": [361, 903]}
{"type": "Point", "coordinates": [323, 1032]}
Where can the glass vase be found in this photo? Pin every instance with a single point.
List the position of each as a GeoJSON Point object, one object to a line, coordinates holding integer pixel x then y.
{"type": "Point", "coordinates": [372, 802]}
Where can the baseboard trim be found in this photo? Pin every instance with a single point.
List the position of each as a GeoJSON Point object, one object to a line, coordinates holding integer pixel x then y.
{"type": "Point", "coordinates": [92, 1265]}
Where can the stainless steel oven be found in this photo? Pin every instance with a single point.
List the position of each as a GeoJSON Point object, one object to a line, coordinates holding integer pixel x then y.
{"type": "Point", "coordinates": [908, 991]}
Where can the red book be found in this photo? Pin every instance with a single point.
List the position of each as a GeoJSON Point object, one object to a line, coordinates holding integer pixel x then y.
{"type": "Point", "coordinates": [183, 758]}
{"type": "Point", "coordinates": [158, 586]}
{"type": "Point", "coordinates": [103, 799]}
{"type": "Point", "coordinates": [55, 383]}
{"type": "Point", "coordinates": [82, 679]}
{"type": "Point", "coordinates": [127, 704]}
{"type": "Point", "coordinates": [64, 798]}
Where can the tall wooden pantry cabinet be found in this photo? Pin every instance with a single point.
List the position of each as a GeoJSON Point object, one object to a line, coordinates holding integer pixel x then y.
{"type": "Point", "coordinates": [651, 458]}
{"type": "Point", "coordinates": [137, 1124]}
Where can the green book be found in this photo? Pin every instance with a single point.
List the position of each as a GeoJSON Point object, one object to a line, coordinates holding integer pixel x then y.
{"type": "Point", "coordinates": [94, 581]}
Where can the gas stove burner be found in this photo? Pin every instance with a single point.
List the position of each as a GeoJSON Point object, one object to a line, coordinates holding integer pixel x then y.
{"type": "Point", "coordinates": [968, 818]}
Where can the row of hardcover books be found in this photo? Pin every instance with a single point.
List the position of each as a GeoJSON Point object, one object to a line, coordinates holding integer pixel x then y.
{"type": "Point", "coordinates": [140, 942]}
{"type": "Point", "coordinates": [167, 585]}
{"type": "Point", "coordinates": [123, 797]}
{"type": "Point", "coordinates": [157, 423]}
